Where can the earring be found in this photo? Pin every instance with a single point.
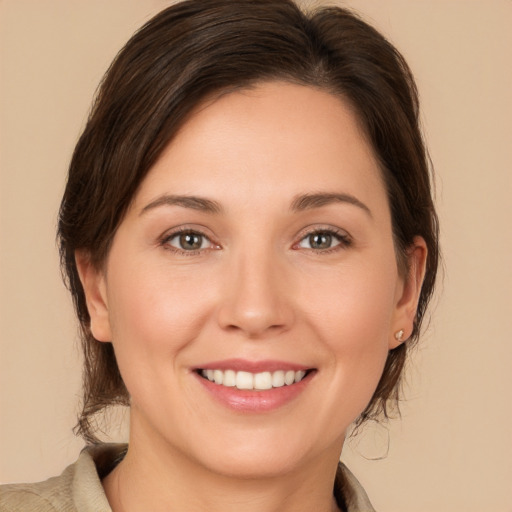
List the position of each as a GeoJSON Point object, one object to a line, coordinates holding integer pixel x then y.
{"type": "Point", "coordinates": [399, 335]}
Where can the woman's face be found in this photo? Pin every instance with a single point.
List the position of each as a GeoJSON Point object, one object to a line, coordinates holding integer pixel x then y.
{"type": "Point", "coordinates": [257, 251]}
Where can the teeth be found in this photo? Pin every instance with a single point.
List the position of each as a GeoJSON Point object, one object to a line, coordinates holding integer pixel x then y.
{"type": "Point", "coordinates": [263, 380]}
{"type": "Point", "coordinates": [278, 379]}
{"type": "Point", "coordinates": [289, 377]}
{"type": "Point", "coordinates": [229, 378]}
{"type": "Point", "coordinates": [254, 381]}
{"type": "Point", "coordinates": [244, 380]}
{"type": "Point", "coordinates": [218, 376]}
{"type": "Point", "coordinates": [299, 375]}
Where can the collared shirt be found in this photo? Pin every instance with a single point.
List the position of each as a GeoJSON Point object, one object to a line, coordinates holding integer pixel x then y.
{"type": "Point", "coordinates": [79, 488]}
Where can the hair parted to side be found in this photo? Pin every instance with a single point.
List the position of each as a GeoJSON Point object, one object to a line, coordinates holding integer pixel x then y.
{"type": "Point", "coordinates": [195, 50]}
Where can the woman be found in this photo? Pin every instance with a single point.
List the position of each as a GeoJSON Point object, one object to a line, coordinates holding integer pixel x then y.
{"type": "Point", "coordinates": [250, 241]}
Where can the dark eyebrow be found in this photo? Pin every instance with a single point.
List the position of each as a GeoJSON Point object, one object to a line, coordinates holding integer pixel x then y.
{"type": "Point", "coordinates": [309, 201]}
{"type": "Point", "coordinates": [193, 202]}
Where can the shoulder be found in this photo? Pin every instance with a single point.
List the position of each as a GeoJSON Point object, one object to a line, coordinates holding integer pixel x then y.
{"type": "Point", "coordinates": [77, 489]}
{"type": "Point", "coordinates": [350, 492]}
{"type": "Point", "coordinates": [53, 495]}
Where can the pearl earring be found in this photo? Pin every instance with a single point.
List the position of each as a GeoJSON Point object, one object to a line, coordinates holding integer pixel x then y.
{"type": "Point", "coordinates": [399, 335]}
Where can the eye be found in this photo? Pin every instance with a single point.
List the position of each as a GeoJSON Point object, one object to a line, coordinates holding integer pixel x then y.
{"type": "Point", "coordinates": [188, 241]}
{"type": "Point", "coordinates": [323, 240]}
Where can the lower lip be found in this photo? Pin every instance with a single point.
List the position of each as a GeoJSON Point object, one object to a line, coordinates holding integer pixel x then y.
{"type": "Point", "coordinates": [255, 401]}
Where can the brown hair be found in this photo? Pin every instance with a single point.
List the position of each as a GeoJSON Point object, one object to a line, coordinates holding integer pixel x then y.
{"type": "Point", "coordinates": [199, 48]}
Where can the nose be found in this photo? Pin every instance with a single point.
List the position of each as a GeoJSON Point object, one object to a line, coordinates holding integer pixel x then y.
{"type": "Point", "coordinates": [256, 297]}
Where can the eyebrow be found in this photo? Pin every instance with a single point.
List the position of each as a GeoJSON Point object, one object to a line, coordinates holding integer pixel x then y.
{"type": "Point", "coordinates": [193, 202]}
{"type": "Point", "coordinates": [317, 200]}
{"type": "Point", "coordinates": [300, 203]}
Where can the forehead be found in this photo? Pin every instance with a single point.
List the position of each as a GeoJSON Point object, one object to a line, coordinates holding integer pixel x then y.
{"type": "Point", "coordinates": [274, 139]}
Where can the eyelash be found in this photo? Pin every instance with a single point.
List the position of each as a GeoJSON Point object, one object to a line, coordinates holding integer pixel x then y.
{"type": "Point", "coordinates": [345, 241]}
{"type": "Point", "coordinates": [342, 237]}
{"type": "Point", "coordinates": [165, 241]}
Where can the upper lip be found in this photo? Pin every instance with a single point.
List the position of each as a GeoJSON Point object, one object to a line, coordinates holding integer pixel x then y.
{"type": "Point", "coordinates": [243, 365]}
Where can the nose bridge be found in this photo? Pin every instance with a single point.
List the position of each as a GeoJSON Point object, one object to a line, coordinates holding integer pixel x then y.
{"type": "Point", "coordinates": [256, 298]}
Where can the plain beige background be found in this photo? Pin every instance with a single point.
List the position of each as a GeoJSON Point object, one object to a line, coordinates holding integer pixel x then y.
{"type": "Point", "coordinates": [452, 450]}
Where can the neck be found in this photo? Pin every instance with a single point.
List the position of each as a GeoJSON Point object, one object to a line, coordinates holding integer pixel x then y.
{"type": "Point", "coordinates": [154, 476]}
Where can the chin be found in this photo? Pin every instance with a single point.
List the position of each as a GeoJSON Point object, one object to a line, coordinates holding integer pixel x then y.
{"type": "Point", "coordinates": [257, 466]}
{"type": "Point", "coordinates": [257, 456]}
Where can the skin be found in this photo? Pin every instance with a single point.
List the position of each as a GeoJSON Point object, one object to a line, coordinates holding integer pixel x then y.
{"type": "Point", "coordinates": [257, 289]}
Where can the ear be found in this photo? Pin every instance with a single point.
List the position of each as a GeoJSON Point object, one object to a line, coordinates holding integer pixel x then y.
{"type": "Point", "coordinates": [408, 293]}
{"type": "Point", "coordinates": [94, 285]}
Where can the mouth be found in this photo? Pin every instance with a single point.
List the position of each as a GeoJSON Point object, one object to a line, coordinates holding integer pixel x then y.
{"type": "Point", "coordinates": [248, 387]}
{"type": "Point", "coordinates": [261, 381]}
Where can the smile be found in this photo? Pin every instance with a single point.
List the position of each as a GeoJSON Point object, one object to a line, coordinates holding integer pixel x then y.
{"type": "Point", "coordinates": [253, 381]}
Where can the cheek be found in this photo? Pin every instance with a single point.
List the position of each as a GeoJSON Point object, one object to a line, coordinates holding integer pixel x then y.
{"type": "Point", "coordinates": [154, 313]}
{"type": "Point", "coordinates": [353, 319]}
{"type": "Point", "coordinates": [354, 306]}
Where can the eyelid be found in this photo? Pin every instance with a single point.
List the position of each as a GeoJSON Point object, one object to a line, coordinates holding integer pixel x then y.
{"type": "Point", "coordinates": [342, 235]}
{"type": "Point", "coordinates": [344, 238]}
{"type": "Point", "coordinates": [168, 235]}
